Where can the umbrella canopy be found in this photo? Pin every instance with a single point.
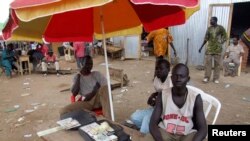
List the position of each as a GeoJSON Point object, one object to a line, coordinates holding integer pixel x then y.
{"type": "Point", "coordinates": [29, 3]}
{"type": "Point", "coordinates": [78, 20]}
{"type": "Point", "coordinates": [181, 3]}
{"type": "Point", "coordinates": [57, 21]}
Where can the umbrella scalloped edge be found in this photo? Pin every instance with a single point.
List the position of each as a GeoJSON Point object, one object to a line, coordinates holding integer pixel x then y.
{"type": "Point", "coordinates": [180, 3]}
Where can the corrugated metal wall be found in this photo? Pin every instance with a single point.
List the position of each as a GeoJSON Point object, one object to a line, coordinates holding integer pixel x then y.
{"type": "Point", "coordinates": [194, 30]}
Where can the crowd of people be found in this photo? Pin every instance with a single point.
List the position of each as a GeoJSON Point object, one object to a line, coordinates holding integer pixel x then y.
{"type": "Point", "coordinates": [175, 112]}
{"type": "Point", "coordinates": [41, 55]}
{"type": "Point", "coordinates": [38, 54]}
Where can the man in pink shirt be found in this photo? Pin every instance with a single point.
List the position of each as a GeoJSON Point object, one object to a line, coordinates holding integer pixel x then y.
{"type": "Point", "coordinates": [45, 49]}
{"type": "Point", "coordinates": [50, 59]}
{"type": "Point", "coordinates": [79, 49]}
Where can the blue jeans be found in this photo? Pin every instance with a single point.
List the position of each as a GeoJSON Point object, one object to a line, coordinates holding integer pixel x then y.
{"type": "Point", "coordinates": [141, 119]}
{"type": "Point", "coordinates": [80, 62]}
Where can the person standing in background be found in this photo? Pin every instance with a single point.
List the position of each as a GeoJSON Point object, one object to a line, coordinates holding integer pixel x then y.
{"type": "Point", "coordinates": [79, 49]}
{"type": "Point", "coordinates": [161, 39]}
{"type": "Point", "coordinates": [45, 49]}
{"type": "Point", "coordinates": [215, 36]}
{"type": "Point", "coordinates": [67, 51]}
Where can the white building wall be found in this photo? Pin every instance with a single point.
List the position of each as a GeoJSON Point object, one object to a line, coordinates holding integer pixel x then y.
{"type": "Point", "coordinates": [194, 30]}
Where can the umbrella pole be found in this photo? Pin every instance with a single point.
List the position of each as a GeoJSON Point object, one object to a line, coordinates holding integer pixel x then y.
{"type": "Point", "coordinates": [107, 69]}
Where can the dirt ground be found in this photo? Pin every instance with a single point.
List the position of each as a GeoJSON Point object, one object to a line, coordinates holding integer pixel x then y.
{"type": "Point", "coordinates": [38, 99]}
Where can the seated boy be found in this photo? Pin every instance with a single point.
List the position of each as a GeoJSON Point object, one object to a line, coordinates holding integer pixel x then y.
{"type": "Point", "coordinates": [50, 59]}
{"type": "Point", "coordinates": [142, 117]}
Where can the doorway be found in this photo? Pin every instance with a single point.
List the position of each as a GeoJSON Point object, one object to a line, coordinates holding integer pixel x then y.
{"type": "Point", "coordinates": [240, 21]}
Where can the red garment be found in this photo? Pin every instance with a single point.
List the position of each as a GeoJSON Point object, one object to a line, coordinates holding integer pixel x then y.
{"type": "Point", "coordinates": [50, 58]}
{"type": "Point", "coordinates": [79, 48]}
{"type": "Point", "coordinates": [39, 47]}
{"type": "Point", "coordinates": [45, 49]}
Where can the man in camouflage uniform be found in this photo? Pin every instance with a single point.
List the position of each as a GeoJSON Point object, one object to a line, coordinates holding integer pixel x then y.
{"type": "Point", "coordinates": [215, 36]}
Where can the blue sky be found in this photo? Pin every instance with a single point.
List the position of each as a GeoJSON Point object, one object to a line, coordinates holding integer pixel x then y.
{"type": "Point", "coordinates": [4, 10]}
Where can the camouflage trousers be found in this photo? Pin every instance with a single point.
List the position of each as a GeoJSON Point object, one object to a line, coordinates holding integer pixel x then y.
{"type": "Point", "coordinates": [233, 70]}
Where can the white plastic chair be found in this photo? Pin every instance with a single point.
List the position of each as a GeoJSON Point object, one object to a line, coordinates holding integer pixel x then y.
{"type": "Point", "coordinates": [211, 100]}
